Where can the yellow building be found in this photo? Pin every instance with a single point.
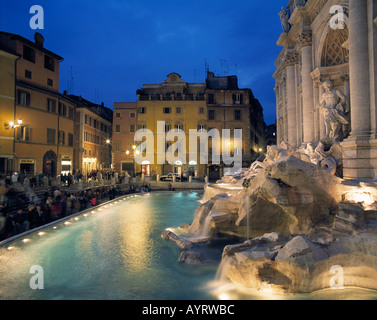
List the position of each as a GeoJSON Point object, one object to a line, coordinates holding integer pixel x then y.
{"type": "Point", "coordinates": [93, 136]}
{"type": "Point", "coordinates": [232, 108]}
{"type": "Point", "coordinates": [44, 139]}
{"type": "Point", "coordinates": [7, 105]}
{"type": "Point", "coordinates": [124, 128]}
{"type": "Point", "coordinates": [180, 105]}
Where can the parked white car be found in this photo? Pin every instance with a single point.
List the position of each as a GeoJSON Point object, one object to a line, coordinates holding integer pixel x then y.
{"type": "Point", "coordinates": [170, 176]}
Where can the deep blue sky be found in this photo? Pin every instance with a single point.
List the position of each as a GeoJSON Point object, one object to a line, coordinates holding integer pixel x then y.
{"type": "Point", "coordinates": [113, 47]}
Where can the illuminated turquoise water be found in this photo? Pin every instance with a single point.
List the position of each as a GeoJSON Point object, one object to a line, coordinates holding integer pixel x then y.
{"type": "Point", "coordinates": [115, 253]}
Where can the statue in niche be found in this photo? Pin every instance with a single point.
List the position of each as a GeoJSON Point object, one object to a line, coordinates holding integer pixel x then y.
{"type": "Point", "coordinates": [335, 111]}
{"type": "Point", "coordinates": [284, 17]}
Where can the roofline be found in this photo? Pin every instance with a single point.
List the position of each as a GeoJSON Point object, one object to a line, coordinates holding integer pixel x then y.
{"type": "Point", "coordinates": [32, 44]}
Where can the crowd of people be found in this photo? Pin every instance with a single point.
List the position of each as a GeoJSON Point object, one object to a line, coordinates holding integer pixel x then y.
{"type": "Point", "coordinates": [54, 205]}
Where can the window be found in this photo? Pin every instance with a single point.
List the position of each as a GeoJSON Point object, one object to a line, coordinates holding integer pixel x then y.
{"type": "Point", "coordinates": [237, 115]}
{"type": "Point", "coordinates": [95, 123]}
{"type": "Point", "coordinates": [86, 119]}
{"type": "Point", "coordinates": [70, 140]}
{"type": "Point", "coordinates": [201, 127]}
{"type": "Point", "coordinates": [62, 109]}
{"type": "Point", "coordinates": [142, 127]}
{"type": "Point", "coordinates": [142, 110]}
{"type": "Point", "coordinates": [23, 98]}
{"type": "Point", "coordinates": [118, 115]}
{"type": "Point", "coordinates": [211, 115]}
{"type": "Point", "coordinates": [237, 99]}
{"type": "Point", "coordinates": [50, 82]}
{"type": "Point", "coordinates": [24, 133]}
{"type": "Point", "coordinates": [49, 63]}
{"type": "Point", "coordinates": [201, 110]}
{"type": "Point", "coordinates": [211, 98]}
{"type": "Point", "coordinates": [29, 54]}
{"type": "Point", "coordinates": [61, 138]}
{"type": "Point", "coordinates": [28, 74]}
{"type": "Point", "coordinates": [117, 128]}
{"type": "Point", "coordinates": [178, 110]}
{"type": "Point", "coordinates": [132, 115]}
{"type": "Point", "coordinates": [132, 128]}
{"type": "Point", "coordinates": [167, 110]}
{"type": "Point", "coordinates": [117, 146]}
{"type": "Point", "coordinates": [51, 133]}
{"type": "Point", "coordinates": [70, 112]}
{"type": "Point", "coordinates": [167, 128]}
{"type": "Point", "coordinates": [51, 105]}
{"type": "Point", "coordinates": [178, 127]}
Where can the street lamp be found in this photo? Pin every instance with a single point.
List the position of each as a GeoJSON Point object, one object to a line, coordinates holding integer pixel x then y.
{"type": "Point", "coordinates": [108, 143]}
{"type": "Point", "coordinates": [12, 125]}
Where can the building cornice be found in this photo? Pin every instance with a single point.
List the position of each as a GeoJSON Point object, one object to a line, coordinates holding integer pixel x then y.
{"type": "Point", "coordinates": [322, 74]}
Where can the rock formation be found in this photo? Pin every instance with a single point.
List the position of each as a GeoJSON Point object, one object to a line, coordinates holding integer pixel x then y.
{"type": "Point", "coordinates": [300, 221]}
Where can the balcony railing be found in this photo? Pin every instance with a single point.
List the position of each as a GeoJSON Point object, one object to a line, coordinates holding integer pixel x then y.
{"type": "Point", "coordinates": [160, 97]}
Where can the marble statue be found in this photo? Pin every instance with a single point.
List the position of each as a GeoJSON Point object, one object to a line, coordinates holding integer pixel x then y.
{"type": "Point", "coordinates": [334, 109]}
{"type": "Point", "coordinates": [284, 17]}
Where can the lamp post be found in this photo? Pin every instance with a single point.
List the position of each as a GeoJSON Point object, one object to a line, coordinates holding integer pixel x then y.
{"type": "Point", "coordinates": [108, 143]}
{"type": "Point", "coordinates": [14, 126]}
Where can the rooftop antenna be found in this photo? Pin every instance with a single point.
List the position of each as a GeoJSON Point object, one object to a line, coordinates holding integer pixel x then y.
{"type": "Point", "coordinates": [206, 67]}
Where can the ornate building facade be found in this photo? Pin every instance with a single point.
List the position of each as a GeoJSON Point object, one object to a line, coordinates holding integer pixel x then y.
{"type": "Point", "coordinates": [326, 79]}
{"type": "Point", "coordinates": [43, 118]}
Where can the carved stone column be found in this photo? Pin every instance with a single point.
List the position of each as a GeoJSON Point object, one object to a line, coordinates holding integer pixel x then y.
{"type": "Point", "coordinates": [305, 44]}
{"type": "Point", "coordinates": [359, 148]}
{"type": "Point", "coordinates": [291, 60]}
{"type": "Point", "coordinates": [359, 69]}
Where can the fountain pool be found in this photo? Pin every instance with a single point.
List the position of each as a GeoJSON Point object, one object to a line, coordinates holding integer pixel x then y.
{"type": "Point", "coordinates": [114, 251]}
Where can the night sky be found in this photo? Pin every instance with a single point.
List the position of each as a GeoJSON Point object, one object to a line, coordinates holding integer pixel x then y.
{"type": "Point", "coordinates": [111, 48]}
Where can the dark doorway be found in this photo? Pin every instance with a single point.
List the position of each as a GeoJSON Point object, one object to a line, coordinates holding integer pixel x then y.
{"type": "Point", "coordinates": [214, 173]}
{"type": "Point", "coordinates": [50, 164]}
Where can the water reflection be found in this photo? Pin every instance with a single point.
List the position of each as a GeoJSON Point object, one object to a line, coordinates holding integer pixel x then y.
{"type": "Point", "coordinates": [136, 243]}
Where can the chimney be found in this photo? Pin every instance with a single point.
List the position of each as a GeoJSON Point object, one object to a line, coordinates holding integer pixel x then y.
{"type": "Point", "coordinates": [39, 40]}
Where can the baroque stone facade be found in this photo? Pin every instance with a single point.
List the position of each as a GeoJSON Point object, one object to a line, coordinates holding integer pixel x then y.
{"type": "Point", "coordinates": [326, 79]}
